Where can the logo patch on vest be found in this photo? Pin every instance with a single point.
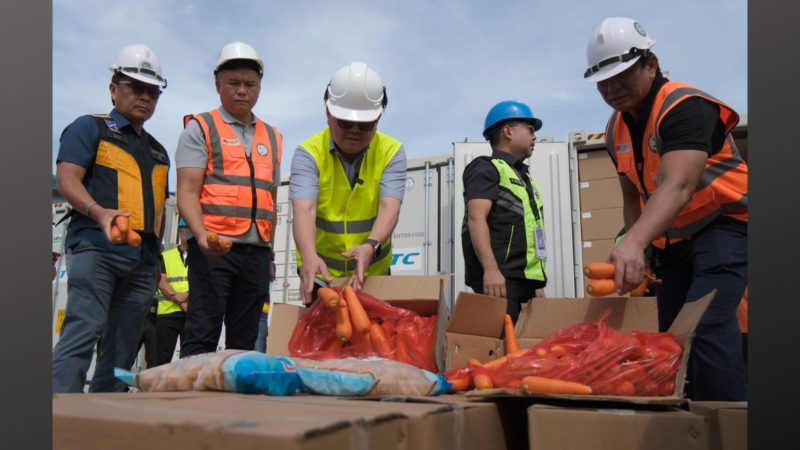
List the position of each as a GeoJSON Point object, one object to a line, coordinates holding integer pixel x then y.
{"type": "Point", "coordinates": [652, 144]}
{"type": "Point", "coordinates": [623, 148]}
{"type": "Point", "coordinates": [516, 181]}
{"type": "Point", "coordinates": [230, 141]}
{"type": "Point", "coordinates": [262, 149]}
{"type": "Point", "coordinates": [112, 125]}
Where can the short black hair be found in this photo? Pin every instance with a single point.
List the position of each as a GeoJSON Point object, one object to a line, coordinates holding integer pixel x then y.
{"type": "Point", "coordinates": [240, 64]}
{"type": "Point", "coordinates": [493, 134]}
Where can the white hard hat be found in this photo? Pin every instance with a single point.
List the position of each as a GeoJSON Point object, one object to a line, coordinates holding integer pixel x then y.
{"type": "Point", "coordinates": [140, 63]}
{"type": "Point", "coordinates": [615, 45]}
{"type": "Point", "coordinates": [356, 93]}
{"type": "Point", "coordinates": [238, 50]}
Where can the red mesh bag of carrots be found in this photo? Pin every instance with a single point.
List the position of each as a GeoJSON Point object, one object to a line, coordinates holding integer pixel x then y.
{"type": "Point", "coordinates": [591, 354]}
{"type": "Point", "coordinates": [346, 323]}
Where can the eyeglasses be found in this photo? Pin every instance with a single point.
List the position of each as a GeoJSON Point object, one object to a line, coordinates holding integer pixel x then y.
{"type": "Point", "coordinates": [138, 89]}
{"type": "Point", "coordinates": [363, 126]}
{"type": "Point", "coordinates": [633, 53]}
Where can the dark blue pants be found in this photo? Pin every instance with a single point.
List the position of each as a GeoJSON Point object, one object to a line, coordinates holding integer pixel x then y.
{"type": "Point", "coordinates": [713, 259]}
{"type": "Point", "coordinates": [231, 287]}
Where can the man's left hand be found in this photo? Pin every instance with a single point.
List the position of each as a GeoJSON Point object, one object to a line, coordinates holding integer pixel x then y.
{"type": "Point", "coordinates": [362, 253]}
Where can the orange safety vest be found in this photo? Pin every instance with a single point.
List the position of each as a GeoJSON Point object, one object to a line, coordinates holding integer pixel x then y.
{"type": "Point", "coordinates": [722, 190]}
{"type": "Point", "coordinates": [238, 189]}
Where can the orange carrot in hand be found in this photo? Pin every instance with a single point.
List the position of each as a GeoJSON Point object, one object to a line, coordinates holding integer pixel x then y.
{"type": "Point", "coordinates": [344, 329]}
{"type": "Point", "coordinates": [225, 243]}
{"type": "Point", "coordinates": [482, 381]}
{"type": "Point", "coordinates": [116, 235]}
{"type": "Point", "coordinates": [600, 288]}
{"type": "Point", "coordinates": [329, 297]}
{"type": "Point", "coordinates": [511, 337]}
{"type": "Point", "coordinates": [212, 239]}
{"type": "Point", "coordinates": [133, 238]}
{"type": "Point", "coordinates": [640, 290]}
{"type": "Point", "coordinates": [599, 271]}
{"type": "Point", "coordinates": [358, 316]}
{"type": "Point", "coordinates": [122, 223]}
{"type": "Point", "coordinates": [542, 385]}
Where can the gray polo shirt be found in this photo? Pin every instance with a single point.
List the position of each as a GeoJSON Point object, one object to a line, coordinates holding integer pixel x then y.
{"type": "Point", "coordinates": [192, 152]}
{"type": "Point", "coordinates": [304, 178]}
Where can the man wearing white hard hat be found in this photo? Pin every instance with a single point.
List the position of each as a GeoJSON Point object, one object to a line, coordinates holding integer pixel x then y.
{"type": "Point", "coordinates": [346, 186]}
{"type": "Point", "coordinates": [228, 163]}
{"type": "Point", "coordinates": [108, 166]}
{"type": "Point", "coordinates": [684, 186]}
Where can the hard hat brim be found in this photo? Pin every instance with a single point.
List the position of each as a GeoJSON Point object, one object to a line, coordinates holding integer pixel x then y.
{"type": "Point", "coordinates": [354, 115]}
{"type": "Point", "coordinates": [610, 71]}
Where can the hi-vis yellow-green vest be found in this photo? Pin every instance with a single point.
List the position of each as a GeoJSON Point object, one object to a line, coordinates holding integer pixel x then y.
{"type": "Point", "coordinates": [177, 274]}
{"type": "Point", "coordinates": [345, 215]}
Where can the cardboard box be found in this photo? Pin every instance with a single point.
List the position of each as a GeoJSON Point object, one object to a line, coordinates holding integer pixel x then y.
{"type": "Point", "coordinates": [421, 294]}
{"type": "Point", "coordinates": [556, 428]}
{"type": "Point", "coordinates": [543, 316]}
{"type": "Point", "coordinates": [601, 224]}
{"type": "Point", "coordinates": [474, 330]}
{"type": "Point", "coordinates": [727, 423]}
{"type": "Point", "coordinates": [595, 165]}
{"type": "Point", "coordinates": [198, 420]}
{"type": "Point", "coordinates": [600, 194]}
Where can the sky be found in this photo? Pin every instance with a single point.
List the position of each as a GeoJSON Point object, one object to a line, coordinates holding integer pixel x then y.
{"type": "Point", "coordinates": [444, 63]}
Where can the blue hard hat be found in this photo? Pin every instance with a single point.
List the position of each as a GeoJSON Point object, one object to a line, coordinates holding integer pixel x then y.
{"type": "Point", "coordinates": [181, 223]}
{"type": "Point", "coordinates": [510, 110]}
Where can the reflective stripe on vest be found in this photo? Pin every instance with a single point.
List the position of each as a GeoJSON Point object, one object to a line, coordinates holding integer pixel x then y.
{"type": "Point", "coordinates": [722, 190]}
{"type": "Point", "coordinates": [513, 197]}
{"type": "Point", "coordinates": [120, 180]}
{"type": "Point", "coordinates": [237, 189]}
{"type": "Point", "coordinates": [345, 215]}
{"type": "Point", "coordinates": [177, 276]}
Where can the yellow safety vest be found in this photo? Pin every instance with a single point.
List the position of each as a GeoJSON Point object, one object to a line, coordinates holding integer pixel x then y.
{"type": "Point", "coordinates": [345, 215]}
{"type": "Point", "coordinates": [177, 276]}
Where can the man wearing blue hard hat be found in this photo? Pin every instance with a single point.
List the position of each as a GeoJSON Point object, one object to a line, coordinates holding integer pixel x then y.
{"type": "Point", "coordinates": [503, 230]}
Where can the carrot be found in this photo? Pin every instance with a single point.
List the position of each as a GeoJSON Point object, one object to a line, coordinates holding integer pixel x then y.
{"type": "Point", "coordinates": [133, 238]}
{"type": "Point", "coordinates": [474, 362]}
{"type": "Point", "coordinates": [600, 288]}
{"type": "Point", "coordinates": [122, 223]}
{"type": "Point", "coordinates": [460, 384]}
{"type": "Point", "coordinates": [344, 329]}
{"type": "Point", "coordinates": [504, 359]}
{"type": "Point", "coordinates": [599, 271]}
{"type": "Point", "coordinates": [212, 239]}
{"type": "Point", "coordinates": [514, 383]}
{"type": "Point", "coordinates": [542, 385]}
{"type": "Point", "coordinates": [329, 297]}
{"type": "Point", "coordinates": [482, 381]}
{"type": "Point", "coordinates": [116, 235]}
{"type": "Point", "coordinates": [558, 349]}
{"type": "Point", "coordinates": [541, 352]}
{"type": "Point", "coordinates": [358, 316]}
{"type": "Point", "coordinates": [225, 243]}
{"type": "Point", "coordinates": [640, 290]}
{"type": "Point", "coordinates": [361, 344]}
{"type": "Point", "coordinates": [511, 337]}
{"type": "Point", "coordinates": [378, 339]}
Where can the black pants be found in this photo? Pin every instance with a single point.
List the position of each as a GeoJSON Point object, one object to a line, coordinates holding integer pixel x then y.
{"type": "Point", "coordinates": [231, 287]}
{"type": "Point", "coordinates": [149, 336]}
{"type": "Point", "coordinates": [517, 293]}
{"type": "Point", "coordinates": [168, 328]}
{"type": "Point", "coordinates": [690, 269]}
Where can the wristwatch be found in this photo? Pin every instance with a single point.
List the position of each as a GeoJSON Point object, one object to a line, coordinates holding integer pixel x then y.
{"type": "Point", "coordinates": [376, 246]}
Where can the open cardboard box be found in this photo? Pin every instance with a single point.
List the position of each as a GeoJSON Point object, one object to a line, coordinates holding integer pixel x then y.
{"type": "Point", "coordinates": [421, 294]}
{"type": "Point", "coordinates": [477, 320]}
{"type": "Point", "coordinates": [727, 423]}
{"type": "Point", "coordinates": [203, 420]}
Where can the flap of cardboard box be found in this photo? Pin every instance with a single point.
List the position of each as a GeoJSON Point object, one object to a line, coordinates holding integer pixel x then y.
{"type": "Point", "coordinates": [477, 315]}
{"type": "Point", "coordinates": [543, 316]}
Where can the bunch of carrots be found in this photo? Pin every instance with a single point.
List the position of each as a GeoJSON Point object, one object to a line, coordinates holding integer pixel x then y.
{"type": "Point", "coordinates": [216, 242]}
{"type": "Point", "coordinates": [602, 280]}
{"type": "Point", "coordinates": [581, 359]}
{"type": "Point", "coordinates": [121, 233]}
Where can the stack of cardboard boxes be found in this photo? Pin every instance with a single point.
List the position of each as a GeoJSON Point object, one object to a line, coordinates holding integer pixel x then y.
{"type": "Point", "coordinates": [600, 203]}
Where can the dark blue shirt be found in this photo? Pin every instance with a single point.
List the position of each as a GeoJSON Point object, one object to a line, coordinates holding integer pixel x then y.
{"type": "Point", "coordinates": [79, 143]}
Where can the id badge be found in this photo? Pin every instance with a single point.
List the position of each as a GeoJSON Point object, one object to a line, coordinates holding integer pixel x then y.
{"type": "Point", "coordinates": [541, 248]}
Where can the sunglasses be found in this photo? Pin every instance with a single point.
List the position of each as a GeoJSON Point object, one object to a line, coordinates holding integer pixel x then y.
{"type": "Point", "coordinates": [138, 89]}
{"type": "Point", "coordinates": [363, 126]}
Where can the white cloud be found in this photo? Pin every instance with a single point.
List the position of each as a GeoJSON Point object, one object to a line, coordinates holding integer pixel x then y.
{"type": "Point", "coordinates": [444, 63]}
